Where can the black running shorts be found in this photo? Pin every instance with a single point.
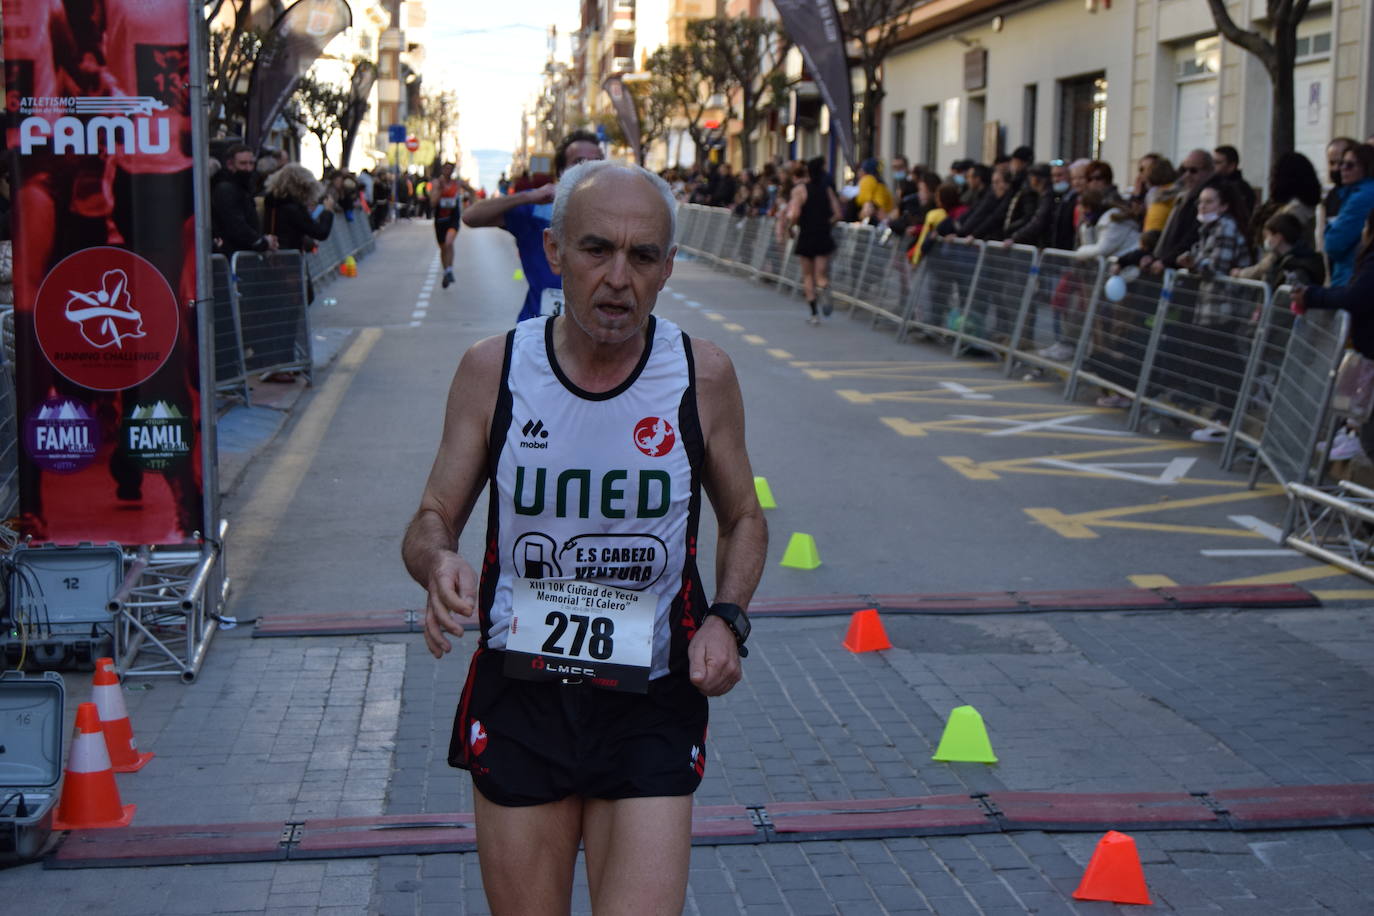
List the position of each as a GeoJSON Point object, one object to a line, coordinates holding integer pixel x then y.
{"type": "Point", "coordinates": [442, 226]}
{"type": "Point", "coordinates": [534, 742]}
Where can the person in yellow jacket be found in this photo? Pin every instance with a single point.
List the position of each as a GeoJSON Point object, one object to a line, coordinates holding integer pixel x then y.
{"type": "Point", "coordinates": [947, 206]}
{"type": "Point", "coordinates": [872, 191]}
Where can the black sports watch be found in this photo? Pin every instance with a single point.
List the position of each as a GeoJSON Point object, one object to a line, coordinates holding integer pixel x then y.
{"type": "Point", "coordinates": [735, 619]}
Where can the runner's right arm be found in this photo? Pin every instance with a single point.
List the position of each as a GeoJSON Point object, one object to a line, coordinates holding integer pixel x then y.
{"type": "Point", "coordinates": [430, 545]}
{"type": "Point", "coordinates": [492, 211]}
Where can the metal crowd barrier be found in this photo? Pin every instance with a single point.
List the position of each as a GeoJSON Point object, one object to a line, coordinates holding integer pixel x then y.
{"type": "Point", "coordinates": [231, 375]}
{"type": "Point", "coordinates": [273, 315]}
{"type": "Point", "coordinates": [346, 238]}
{"type": "Point", "coordinates": [1209, 352]}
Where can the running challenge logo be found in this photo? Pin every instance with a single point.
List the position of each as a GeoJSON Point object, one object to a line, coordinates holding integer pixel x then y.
{"type": "Point", "coordinates": [106, 318]}
{"type": "Point", "coordinates": [105, 125]}
{"type": "Point", "coordinates": [654, 436]}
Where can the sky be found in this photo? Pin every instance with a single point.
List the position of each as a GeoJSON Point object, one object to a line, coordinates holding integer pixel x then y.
{"type": "Point", "coordinates": [492, 54]}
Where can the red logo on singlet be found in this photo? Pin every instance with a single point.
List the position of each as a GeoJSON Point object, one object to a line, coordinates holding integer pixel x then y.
{"type": "Point", "coordinates": [654, 436]}
{"type": "Point", "coordinates": [477, 738]}
{"type": "Point", "coordinates": [698, 761]}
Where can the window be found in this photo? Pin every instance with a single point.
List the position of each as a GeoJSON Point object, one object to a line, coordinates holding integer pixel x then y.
{"type": "Point", "coordinates": [898, 134]}
{"type": "Point", "coordinates": [930, 136]}
{"type": "Point", "coordinates": [1083, 116]}
{"type": "Point", "coordinates": [1029, 99]}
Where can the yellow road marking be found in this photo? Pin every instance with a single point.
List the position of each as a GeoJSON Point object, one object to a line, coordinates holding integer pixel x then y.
{"type": "Point", "coordinates": [714, 316]}
{"type": "Point", "coordinates": [978, 425]}
{"type": "Point", "coordinates": [970, 468]}
{"type": "Point", "coordinates": [1081, 524]}
{"type": "Point", "coordinates": [256, 525]}
{"type": "Point", "coordinates": [1061, 524]}
{"type": "Point", "coordinates": [780, 354]}
{"type": "Point", "coordinates": [733, 327]}
{"type": "Point", "coordinates": [1323, 571]}
{"type": "Point", "coordinates": [1344, 594]}
{"type": "Point", "coordinates": [1151, 580]}
{"type": "Point", "coordinates": [940, 395]}
{"type": "Point", "coordinates": [754, 339]}
{"type": "Point", "coordinates": [880, 371]}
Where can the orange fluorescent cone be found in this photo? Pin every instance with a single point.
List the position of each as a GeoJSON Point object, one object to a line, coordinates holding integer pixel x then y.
{"type": "Point", "coordinates": [1114, 873]}
{"type": "Point", "coordinates": [114, 719]}
{"type": "Point", "coordinates": [90, 797]}
{"type": "Point", "coordinates": [866, 633]}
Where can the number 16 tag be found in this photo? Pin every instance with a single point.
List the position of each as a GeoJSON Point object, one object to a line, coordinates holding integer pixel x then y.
{"type": "Point", "coordinates": [567, 629]}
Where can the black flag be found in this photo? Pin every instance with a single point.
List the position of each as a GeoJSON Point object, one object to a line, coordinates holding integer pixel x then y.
{"type": "Point", "coordinates": [293, 44]}
{"type": "Point", "coordinates": [625, 111]}
{"type": "Point", "coordinates": [815, 27]}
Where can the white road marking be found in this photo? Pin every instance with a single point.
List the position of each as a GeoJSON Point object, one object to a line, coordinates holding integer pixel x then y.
{"type": "Point", "coordinates": [1170, 472]}
{"type": "Point", "coordinates": [418, 313]}
{"type": "Point", "coordinates": [415, 324]}
{"type": "Point", "coordinates": [692, 304]}
{"type": "Point", "coordinates": [1258, 552]}
{"type": "Point", "coordinates": [966, 392]}
{"type": "Point", "coordinates": [1259, 526]}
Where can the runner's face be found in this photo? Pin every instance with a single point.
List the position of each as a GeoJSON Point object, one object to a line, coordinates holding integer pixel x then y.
{"type": "Point", "coordinates": [581, 151]}
{"type": "Point", "coordinates": [614, 257]}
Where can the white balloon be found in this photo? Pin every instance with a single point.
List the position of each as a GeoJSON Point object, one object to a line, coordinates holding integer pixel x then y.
{"type": "Point", "coordinates": [1115, 289]}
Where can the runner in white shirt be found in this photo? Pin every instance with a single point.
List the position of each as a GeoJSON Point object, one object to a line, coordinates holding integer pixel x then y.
{"type": "Point", "coordinates": [584, 716]}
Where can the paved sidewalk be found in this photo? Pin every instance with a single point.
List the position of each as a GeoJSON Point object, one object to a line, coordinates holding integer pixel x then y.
{"type": "Point", "coordinates": [291, 728]}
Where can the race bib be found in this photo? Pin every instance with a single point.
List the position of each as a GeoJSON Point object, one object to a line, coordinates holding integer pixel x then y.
{"type": "Point", "coordinates": [551, 302]}
{"type": "Point", "coordinates": [448, 203]}
{"type": "Point", "coordinates": [568, 628]}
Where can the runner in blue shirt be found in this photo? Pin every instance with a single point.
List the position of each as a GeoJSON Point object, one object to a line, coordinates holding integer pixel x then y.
{"type": "Point", "coordinates": [525, 215]}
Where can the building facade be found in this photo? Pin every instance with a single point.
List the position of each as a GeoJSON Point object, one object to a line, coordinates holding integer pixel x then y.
{"type": "Point", "coordinates": [1115, 80]}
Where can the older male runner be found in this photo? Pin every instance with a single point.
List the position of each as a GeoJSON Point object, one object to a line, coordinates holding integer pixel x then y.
{"type": "Point", "coordinates": [584, 715]}
{"type": "Point", "coordinates": [525, 215]}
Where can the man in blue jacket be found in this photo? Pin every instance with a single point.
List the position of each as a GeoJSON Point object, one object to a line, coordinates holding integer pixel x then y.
{"type": "Point", "coordinates": [1357, 200]}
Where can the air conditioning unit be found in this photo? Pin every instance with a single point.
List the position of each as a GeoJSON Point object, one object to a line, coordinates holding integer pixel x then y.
{"type": "Point", "coordinates": [622, 64]}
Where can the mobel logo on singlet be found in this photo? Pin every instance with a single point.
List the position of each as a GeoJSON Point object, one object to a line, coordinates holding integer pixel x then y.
{"type": "Point", "coordinates": [576, 490]}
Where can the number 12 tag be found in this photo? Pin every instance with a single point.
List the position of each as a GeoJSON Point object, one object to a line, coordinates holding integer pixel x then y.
{"type": "Point", "coordinates": [570, 629]}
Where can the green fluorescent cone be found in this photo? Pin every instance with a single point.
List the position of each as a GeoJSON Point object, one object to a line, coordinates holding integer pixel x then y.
{"type": "Point", "coordinates": [965, 739]}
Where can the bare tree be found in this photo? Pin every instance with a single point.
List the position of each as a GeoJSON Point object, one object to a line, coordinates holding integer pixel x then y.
{"type": "Point", "coordinates": [657, 106]}
{"type": "Point", "coordinates": [747, 52]}
{"type": "Point", "coordinates": [1277, 56]}
{"type": "Point", "coordinates": [315, 108]}
{"type": "Point", "coordinates": [691, 87]}
{"type": "Point", "coordinates": [875, 26]}
{"type": "Point", "coordinates": [233, 49]}
{"type": "Point", "coordinates": [438, 117]}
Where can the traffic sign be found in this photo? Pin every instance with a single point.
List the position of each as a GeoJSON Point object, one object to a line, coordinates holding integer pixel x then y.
{"type": "Point", "coordinates": [412, 144]}
{"type": "Point", "coordinates": [396, 133]}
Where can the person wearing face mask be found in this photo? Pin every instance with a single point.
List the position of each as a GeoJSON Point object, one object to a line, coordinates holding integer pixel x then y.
{"type": "Point", "coordinates": [1221, 244]}
{"type": "Point", "coordinates": [1181, 229]}
{"type": "Point", "coordinates": [1288, 257]}
{"type": "Point", "coordinates": [233, 214]}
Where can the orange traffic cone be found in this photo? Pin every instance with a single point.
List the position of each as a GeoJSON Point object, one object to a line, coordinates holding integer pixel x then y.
{"type": "Point", "coordinates": [114, 719]}
{"type": "Point", "coordinates": [866, 633]}
{"type": "Point", "coordinates": [90, 797]}
{"type": "Point", "coordinates": [1114, 873]}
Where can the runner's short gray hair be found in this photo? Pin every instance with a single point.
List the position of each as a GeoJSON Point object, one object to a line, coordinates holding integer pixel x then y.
{"type": "Point", "coordinates": [584, 172]}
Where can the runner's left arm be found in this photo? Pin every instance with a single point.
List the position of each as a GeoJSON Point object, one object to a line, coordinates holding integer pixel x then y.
{"type": "Point", "coordinates": [742, 542]}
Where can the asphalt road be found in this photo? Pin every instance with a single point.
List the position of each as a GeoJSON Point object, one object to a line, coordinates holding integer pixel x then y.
{"type": "Point", "coordinates": [914, 472]}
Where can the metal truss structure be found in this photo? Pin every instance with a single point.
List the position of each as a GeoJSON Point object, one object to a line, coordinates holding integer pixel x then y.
{"type": "Point", "coordinates": [1334, 524]}
{"type": "Point", "coordinates": [167, 609]}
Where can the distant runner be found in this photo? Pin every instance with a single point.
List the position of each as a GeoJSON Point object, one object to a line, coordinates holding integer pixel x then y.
{"type": "Point", "coordinates": [525, 215]}
{"type": "Point", "coordinates": [445, 197]}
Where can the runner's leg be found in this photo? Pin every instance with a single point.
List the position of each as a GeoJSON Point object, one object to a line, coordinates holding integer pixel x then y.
{"type": "Point", "coordinates": [822, 282]}
{"type": "Point", "coordinates": [638, 851]}
{"type": "Point", "coordinates": [446, 254]}
{"type": "Point", "coordinates": [527, 855]}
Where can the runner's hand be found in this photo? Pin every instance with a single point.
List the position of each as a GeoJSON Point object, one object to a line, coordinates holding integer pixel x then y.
{"type": "Point", "coordinates": [542, 194]}
{"type": "Point", "coordinates": [713, 658]}
{"type": "Point", "coordinates": [452, 601]}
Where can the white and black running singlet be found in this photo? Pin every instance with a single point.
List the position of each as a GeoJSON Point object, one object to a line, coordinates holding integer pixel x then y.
{"type": "Point", "coordinates": [590, 571]}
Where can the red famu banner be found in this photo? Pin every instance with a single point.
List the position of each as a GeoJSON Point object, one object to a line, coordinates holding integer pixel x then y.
{"type": "Point", "coordinates": [98, 137]}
